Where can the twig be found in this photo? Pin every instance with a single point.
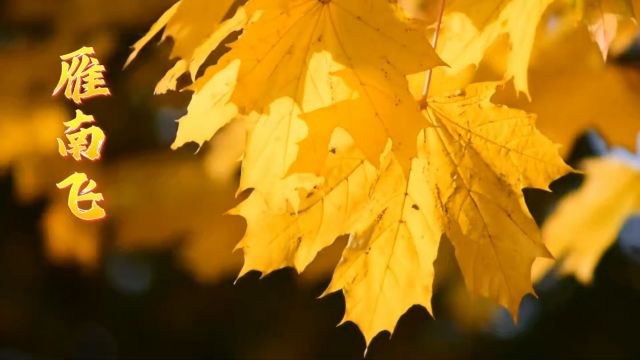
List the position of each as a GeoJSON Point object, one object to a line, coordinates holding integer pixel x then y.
{"type": "Point", "coordinates": [434, 43]}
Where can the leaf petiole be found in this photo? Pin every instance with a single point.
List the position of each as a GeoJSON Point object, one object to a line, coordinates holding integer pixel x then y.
{"type": "Point", "coordinates": [434, 43]}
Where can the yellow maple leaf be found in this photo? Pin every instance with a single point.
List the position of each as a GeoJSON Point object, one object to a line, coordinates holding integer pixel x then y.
{"type": "Point", "coordinates": [483, 155]}
{"type": "Point", "coordinates": [470, 27]}
{"type": "Point", "coordinates": [394, 240]}
{"type": "Point", "coordinates": [209, 109]}
{"type": "Point", "coordinates": [587, 221]}
{"type": "Point", "coordinates": [197, 29]}
{"type": "Point", "coordinates": [309, 50]}
{"type": "Point", "coordinates": [314, 93]}
{"type": "Point", "coordinates": [289, 52]}
{"type": "Point", "coordinates": [387, 265]}
{"type": "Point", "coordinates": [324, 213]}
{"type": "Point", "coordinates": [371, 119]}
{"type": "Point", "coordinates": [474, 159]}
{"type": "Point", "coordinates": [471, 33]}
{"type": "Point", "coordinates": [294, 59]}
{"type": "Point", "coordinates": [270, 148]}
{"type": "Point", "coordinates": [595, 94]}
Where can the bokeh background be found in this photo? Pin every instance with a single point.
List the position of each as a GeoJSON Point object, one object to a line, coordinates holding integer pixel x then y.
{"type": "Point", "coordinates": [157, 277]}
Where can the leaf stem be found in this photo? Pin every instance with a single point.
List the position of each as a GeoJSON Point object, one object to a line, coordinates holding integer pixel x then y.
{"type": "Point", "coordinates": [434, 43]}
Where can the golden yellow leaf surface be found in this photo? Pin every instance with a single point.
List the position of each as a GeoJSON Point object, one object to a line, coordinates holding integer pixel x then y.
{"type": "Point", "coordinates": [470, 27]}
{"type": "Point", "coordinates": [303, 56]}
{"type": "Point", "coordinates": [474, 158]}
{"type": "Point", "coordinates": [424, 10]}
{"type": "Point", "coordinates": [209, 109]}
{"type": "Point", "coordinates": [587, 221]}
{"type": "Point", "coordinates": [288, 57]}
{"type": "Point", "coordinates": [371, 118]}
{"type": "Point", "coordinates": [270, 148]}
{"type": "Point", "coordinates": [323, 214]}
{"type": "Point", "coordinates": [317, 54]}
{"type": "Point", "coordinates": [482, 156]}
{"type": "Point", "coordinates": [336, 146]}
{"type": "Point", "coordinates": [291, 51]}
{"type": "Point", "coordinates": [197, 29]}
{"type": "Point", "coordinates": [387, 265]}
{"type": "Point", "coordinates": [595, 94]}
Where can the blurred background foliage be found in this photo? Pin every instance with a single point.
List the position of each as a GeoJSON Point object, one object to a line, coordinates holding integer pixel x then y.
{"type": "Point", "coordinates": [156, 278]}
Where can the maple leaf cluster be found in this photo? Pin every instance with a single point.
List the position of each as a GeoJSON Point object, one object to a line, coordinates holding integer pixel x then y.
{"type": "Point", "coordinates": [342, 137]}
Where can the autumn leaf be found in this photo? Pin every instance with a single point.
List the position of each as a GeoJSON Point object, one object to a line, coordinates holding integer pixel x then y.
{"type": "Point", "coordinates": [337, 145]}
{"type": "Point", "coordinates": [291, 51]}
{"type": "Point", "coordinates": [318, 101]}
{"type": "Point", "coordinates": [324, 213]}
{"type": "Point", "coordinates": [602, 18]}
{"type": "Point", "coordinates": [470, 28]}
{"type": "Point", "coordinates": [371, 118]}
{"type": "Point", "coordinates": [474, 159]}
{"type": "Point", "coordinates": [394, 235]}
{"type": "Point", "coordinates": [313, 72]}
{"type": "Point", "coordinates": [197, 29]}
{"type": "Point", "coordinates": [598, 95]}
{"type": "Point", "coordinates": [595, 214]}
{"type": "Point", "coordinates": [281, 77]}
{"type": "Point", "coordinates": [483, 155]}
{"type": "Point", "coordinates": [469, 139]}
{"type": "Point", "coordinates": [209, 109]}
{"type": "Point", "coordinates": [387, 265]}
